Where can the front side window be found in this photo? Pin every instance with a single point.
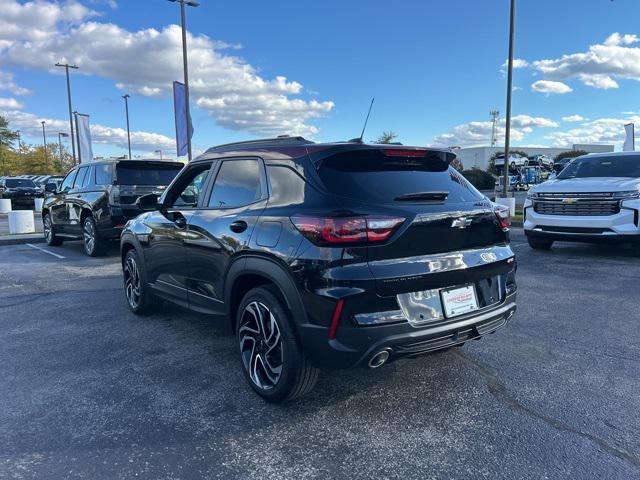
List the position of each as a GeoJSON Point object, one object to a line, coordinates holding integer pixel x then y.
{"type": "Point", "coordinates": [68, 181]}
{"type": "Point", "coordinates": [186, 192]}
{"type": "Point", "coordinates": [237, 184]}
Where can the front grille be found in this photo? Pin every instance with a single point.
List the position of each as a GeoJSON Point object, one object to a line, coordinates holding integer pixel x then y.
{"type": "Point", "coordinates": [577, 204]}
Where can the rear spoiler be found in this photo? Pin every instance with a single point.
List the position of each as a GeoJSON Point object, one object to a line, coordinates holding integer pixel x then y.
{"type": "Point", "coordinates": [319, 156]}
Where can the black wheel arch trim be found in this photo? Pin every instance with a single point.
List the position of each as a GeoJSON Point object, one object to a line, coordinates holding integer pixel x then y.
{"type": "Point", "coordinates": [272, 270]}
{"type": "Point", "coordinates": [130, 239]}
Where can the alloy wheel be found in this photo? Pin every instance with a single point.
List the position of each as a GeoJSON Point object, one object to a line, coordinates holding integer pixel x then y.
{"type": "Point", "coordinates": [48, 233]}
{"type": "Point", "coordinates": [132, 282]}
{"type": "Point", "coordinates": [89, 235]}
{"type": "Point", "coordinates": [260, 345]}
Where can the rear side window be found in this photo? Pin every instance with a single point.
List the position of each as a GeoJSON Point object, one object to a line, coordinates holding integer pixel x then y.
{"type": "Point", "coordinates": [237, 184]}
{"type": "Point", "coordinates": [372, 176]}
{"type": "Point", "coordinates": [146, 174]}
{"type": "Point", "coordinates": [103, 174]}
{"type": "Point", "coordinates": [88, 178]}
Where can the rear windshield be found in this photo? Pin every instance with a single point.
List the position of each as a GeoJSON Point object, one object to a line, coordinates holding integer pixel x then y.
{"type": "Point", "coordinates": [373, 176]}
{"type": "Point", "coordinates": [146, 174]}
{"type": "Point", "coordinates": [614, 166]}
{"type": "Point", "coordinates": [19, 182]}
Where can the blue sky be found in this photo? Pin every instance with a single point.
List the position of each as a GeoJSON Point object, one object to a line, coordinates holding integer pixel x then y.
{"type": "Point", "coordinates": [433, 67]}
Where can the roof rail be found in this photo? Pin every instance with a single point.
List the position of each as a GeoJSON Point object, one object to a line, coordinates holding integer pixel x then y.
{"type": "Point", "coordinates": [264, 142]}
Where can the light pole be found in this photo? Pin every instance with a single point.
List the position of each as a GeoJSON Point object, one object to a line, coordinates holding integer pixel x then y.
{"type": "Point", "coordinates": [44, 141]}
{"type": "Point", "coordinates": [126, 109]}
{"type": "Point", "coordinates": [67, 67]}
{"type": "Point", "coordinates": [190, 3]}
{"type": "Point", "coordinates": [60, 135]}
{"type": "Point", "coordinates": [160, 152]}
{"type": "Point", "coordinates": [507, 133]}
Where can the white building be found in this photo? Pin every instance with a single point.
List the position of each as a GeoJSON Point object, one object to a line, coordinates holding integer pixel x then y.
{"type": "Point", "coordinates": [478, 157]}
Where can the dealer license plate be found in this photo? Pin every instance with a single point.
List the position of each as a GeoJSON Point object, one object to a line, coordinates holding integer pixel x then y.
{"type": "Point", "coordinates": [458, 301]}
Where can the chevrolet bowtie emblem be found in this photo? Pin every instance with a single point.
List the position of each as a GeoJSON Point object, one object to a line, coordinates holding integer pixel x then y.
{"type": "Point", "coordinates": [462, 222]}
{"type": "Point", "coordinates": [569, 200]}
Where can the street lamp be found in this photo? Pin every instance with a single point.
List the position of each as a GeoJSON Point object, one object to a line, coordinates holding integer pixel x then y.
{"type": "Point", "coordinates": [190, 3]}
{"type": "Point", "coordinates": [159, 152]}
{"type": "Point", "coordinates": [66, 66]}
{"type": "Point", "coordinates": [60, 135]}
{"type": "Point", "coordinates": [44, 140]}
{"type": "Point", "coordinates": [507, 133]}
{"type": "Point", "coordinates": [126, 108]}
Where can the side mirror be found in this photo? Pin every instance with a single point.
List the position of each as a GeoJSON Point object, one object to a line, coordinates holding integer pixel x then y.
{"type": "Point", "coordinates": [51, 188]}
{"type": "Point", "coordinates": [148, 202]}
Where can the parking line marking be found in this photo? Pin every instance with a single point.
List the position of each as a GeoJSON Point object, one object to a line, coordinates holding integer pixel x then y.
{"type": "Point", "coordinates": [43, 250]}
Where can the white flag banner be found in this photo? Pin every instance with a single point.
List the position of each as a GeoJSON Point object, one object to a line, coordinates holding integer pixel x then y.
{"type": "Point", "coordinates": [630, 140]}
{"type": "Point", "coordinates": [83, 130]}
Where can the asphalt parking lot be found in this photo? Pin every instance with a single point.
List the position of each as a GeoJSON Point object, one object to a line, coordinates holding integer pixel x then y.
{"type": "Point", "coordinates": [88, 390]}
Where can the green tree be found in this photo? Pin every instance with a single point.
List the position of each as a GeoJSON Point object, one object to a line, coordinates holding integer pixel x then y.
{"type": "Point", "coordinates": [387, 137]}
{"type": "Point", "coordinates": [7, 137]}
{"type": "Point", "coordinates": [570, 154]}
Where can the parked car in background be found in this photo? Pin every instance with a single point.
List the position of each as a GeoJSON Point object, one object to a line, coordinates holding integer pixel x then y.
{"type": "Point", "coordinates": [541, 161]}
{"type": "Point", "coordinates": [596, 198]}
{"type": "Point", "coordinates": [324, 255]}
{"type": "Point", "coordinates": [560, 165]}
{"type": "Point", "coordinates": [515, 161]}
{"type": "Point", "coordinates": [95, 201]}
{"type": "Point", "coordinates": [21, 191]}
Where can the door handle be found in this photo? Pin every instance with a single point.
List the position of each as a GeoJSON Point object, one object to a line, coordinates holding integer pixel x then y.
{"type": "Point", "coordinates": [238, 226]}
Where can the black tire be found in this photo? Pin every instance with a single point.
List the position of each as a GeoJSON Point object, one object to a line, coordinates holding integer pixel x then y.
{"type": "Point", "coordinates": [136, 290]}
{"type": "Point", "coordinates": [50, 236]}
{"type": "Point", "coordinates": [539, 243]}
{"type": "Point", "coordinates": [94, 245]}
{"type": "Point", "coordinates": [271, 358]}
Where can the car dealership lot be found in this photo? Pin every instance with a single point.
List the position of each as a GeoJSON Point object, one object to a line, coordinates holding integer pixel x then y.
{"type": "Point", "coordinates": [88, 390]}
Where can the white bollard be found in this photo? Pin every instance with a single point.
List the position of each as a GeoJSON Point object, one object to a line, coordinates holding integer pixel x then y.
{"type": "Point", "coordinates": [39, 202]}
{"type": "Point", "coordinates": [21, 221]}
{"type": "Point", "coordinates": [5, 205]}
{"type": "Point", "coordinates": [508, 202]}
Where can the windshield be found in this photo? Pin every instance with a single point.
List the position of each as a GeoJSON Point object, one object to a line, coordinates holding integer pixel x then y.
{"type": "Point", "coordinates": [151, 174]}
{"type": "Point", "coordinates": [613, 166]}
{"type": "Point", "coordinates": [19, 182]}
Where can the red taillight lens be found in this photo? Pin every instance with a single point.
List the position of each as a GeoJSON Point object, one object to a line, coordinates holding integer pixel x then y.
{"type": "Point", "coordinates": [334, 231]}
{"type": "Point", "coordinates": [504, 217]}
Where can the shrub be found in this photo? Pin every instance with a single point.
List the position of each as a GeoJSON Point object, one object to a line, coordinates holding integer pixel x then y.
{"type": "Point", "coordinates": [480, 179]}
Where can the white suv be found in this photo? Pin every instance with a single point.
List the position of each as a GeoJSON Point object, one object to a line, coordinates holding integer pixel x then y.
{"type": "Point", "coordinates": [596, 198]}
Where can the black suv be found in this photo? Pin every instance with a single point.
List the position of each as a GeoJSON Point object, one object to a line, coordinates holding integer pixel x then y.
{"type": "Point", "coordinates": [21, 191]}
{"type": "Point", "coordinates": [324, 255]}
{"type": "Point", "coordinates": [94, 201]}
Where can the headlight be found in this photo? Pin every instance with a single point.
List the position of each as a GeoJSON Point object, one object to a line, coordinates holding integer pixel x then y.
{"type": "Point", "coordinates": [532, 195]}
{"type": "Point", "coordinates": [628, 195]}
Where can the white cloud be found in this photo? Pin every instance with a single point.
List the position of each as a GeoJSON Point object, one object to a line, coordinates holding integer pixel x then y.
{"type": "Point", "coordinates": [600, 65]}
{"type": "Point", "coordinates": [10, 103]}
{"type": "Point", "coordinates": [602, 130]}
{"type": "Point", "coordinates": [7, 83]}
{"type": "Point", "coordinates": [517, 63]}
{"type": "Point", "coordinates": [573, 118]}
{"type": "Point", "coordinates": [479, 133]}
{"type": "Point", "coordinates": [29, 124]}
{"type": "Point", "coordinates": [549, 86]}
{"type": "Point", "coordinates": [147, 61]}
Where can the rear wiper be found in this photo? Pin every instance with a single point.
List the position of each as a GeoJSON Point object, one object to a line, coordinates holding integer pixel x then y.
{"type": "Point", "coordinates": [418, 196]}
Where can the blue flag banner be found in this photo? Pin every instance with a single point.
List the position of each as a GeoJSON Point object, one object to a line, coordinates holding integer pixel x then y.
{"type": "Point", "coordinates": [180, 110]}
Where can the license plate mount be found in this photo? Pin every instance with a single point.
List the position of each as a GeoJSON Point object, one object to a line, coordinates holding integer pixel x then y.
{"type": "Point", "coordinates": [458, 301]}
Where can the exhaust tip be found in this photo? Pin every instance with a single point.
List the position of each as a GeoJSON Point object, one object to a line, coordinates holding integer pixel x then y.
{"type": "Point", "coordinates": [379, 359]}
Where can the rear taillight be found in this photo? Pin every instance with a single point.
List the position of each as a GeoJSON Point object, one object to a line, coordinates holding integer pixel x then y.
{"type": "Point", "coordinates": [337, 231]}
{"type": "Point", "coordinates": [504, 217]}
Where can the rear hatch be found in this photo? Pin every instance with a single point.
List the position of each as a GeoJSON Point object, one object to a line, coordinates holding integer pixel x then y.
{"type": "Point", "coordinates": [447, 225]}
{"type": "Point", "coordinates": [140, 177]}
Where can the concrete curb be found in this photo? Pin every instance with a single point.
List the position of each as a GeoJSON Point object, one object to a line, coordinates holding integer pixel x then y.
{"type": "Point", "coordinates": [21, 239]}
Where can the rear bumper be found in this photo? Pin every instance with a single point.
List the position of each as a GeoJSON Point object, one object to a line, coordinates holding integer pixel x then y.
{"type": "Point", "coordinates": [356, 346]}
